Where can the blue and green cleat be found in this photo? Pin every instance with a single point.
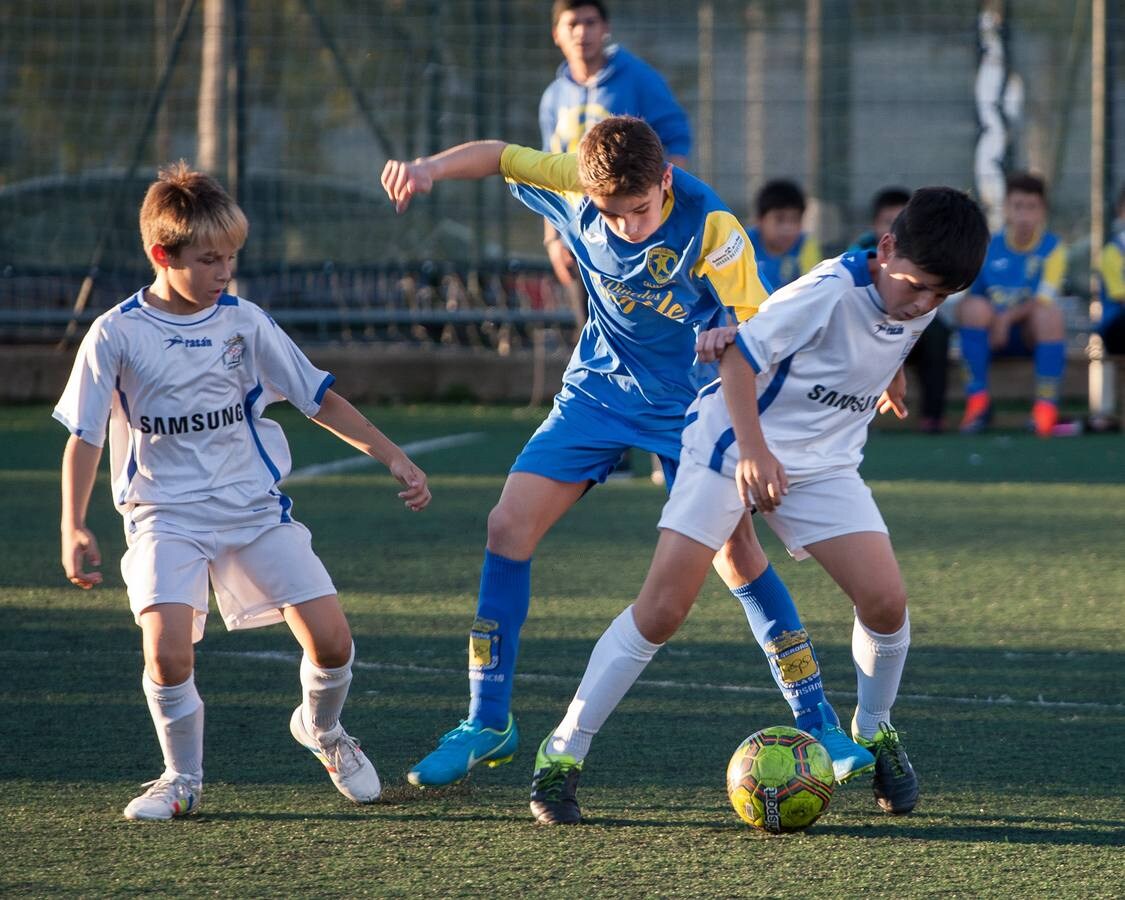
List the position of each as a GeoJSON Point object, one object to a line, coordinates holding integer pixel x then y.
{"type": "Point", "coordinates": [849, 759]}
{"type": "Point", "coordinates": [467, 745]}
{"type": "Point", "coordinates": [554, 788]}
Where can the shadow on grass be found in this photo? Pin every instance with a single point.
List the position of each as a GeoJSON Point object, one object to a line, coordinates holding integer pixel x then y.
{"type": "Point", "coordinates": [1002, 833]}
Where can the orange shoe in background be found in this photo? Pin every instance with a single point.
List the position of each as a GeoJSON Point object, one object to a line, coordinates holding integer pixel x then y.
{"type": "Point", "coordinates": [978, 410]}
{"type": "Point", "coordinates": [1044, 416]}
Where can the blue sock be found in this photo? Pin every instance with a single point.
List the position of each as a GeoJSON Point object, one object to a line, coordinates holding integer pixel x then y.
{"type": "Point", "coordinates": [1050, 359]}
{"type": "Point", "coordinates": [976, 355]}
{"type": "Point", "coordinates": [505, 594]}
{"type": "Point", "coordinates": [777, 628]}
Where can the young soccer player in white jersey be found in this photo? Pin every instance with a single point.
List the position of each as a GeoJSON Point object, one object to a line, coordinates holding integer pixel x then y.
{"type": "Point", "coordinates": [661, 257]}
{"type": "Point", "coordinates": [183, 372]}
{"type": "Point", "coordinates": [782, 432]}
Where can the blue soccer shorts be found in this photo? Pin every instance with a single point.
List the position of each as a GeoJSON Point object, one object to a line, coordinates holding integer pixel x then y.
{"type": "Point", "coordinates": [575, 444]}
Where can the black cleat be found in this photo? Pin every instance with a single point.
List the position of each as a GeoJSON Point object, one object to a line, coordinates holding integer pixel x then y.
{"type": "Point", "coordinates": [553, 789]}
{"type": "Point", "coordinates": [895, 784]}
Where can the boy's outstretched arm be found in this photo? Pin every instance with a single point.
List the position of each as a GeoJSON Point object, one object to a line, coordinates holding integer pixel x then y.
{"type": "Point", "coordinates": [760, 477]}
{"type": "Point", "coordinates": [348, 424]}
{"type": "Point", "coordinates": [403, 180]}
{"type": "Point", "coordinates": [79, 547]}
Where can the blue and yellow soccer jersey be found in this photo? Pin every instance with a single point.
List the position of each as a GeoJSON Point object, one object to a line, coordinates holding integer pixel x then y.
{"type": "Point", "coordinates": [647, 300]}
{"type": "Point", "coordinates": [1010, 276]}
{"type": "Point", "coordinates": [1112, 277]}
{"type": "Point", "coordinates": [624, 86]}
{"type": "Point", "coordinates": [778, 271]}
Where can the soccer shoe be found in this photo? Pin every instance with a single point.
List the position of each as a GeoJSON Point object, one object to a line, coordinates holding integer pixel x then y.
{"type": "Point", "coordinates": [1044, 418]}
{"type": "Point", "coordinates": [553, 788]}
{"type": "Point", "coordinates": [462, 748]}
{"type": "Point", "coordinates": [849, 759]}
{"type": "Point", "coordinates": [166, 798]}
{"type": "Point", "coordinates": [978, 413]}
{"type": "Point", "coordinates": [350, 770]}
{"type": "Point", "coordinates": [895, 784]}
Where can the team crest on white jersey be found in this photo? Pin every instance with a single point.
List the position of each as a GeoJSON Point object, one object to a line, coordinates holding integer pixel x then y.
{"type": "Point", "coordinates": [661, 264]}
{"type": "Point", "coordinates": [233, 349]}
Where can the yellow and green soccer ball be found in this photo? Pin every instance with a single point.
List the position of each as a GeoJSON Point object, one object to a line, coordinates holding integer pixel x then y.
{"type": "Point", "coordinates": [780, 779]}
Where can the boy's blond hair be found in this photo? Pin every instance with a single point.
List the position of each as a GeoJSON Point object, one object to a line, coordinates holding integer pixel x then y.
{"type": "Point", "coordinates": [185, 207]}
{"type": "Point", "coordinates": [620, 156]}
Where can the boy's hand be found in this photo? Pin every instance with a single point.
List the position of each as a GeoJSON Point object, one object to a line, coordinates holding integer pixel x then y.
{"type": "Point", "coordinates": [417, 493]}
{"type": "Point", "coordinates": [894, 397]}
{"type": "Point", "coordinates": [78, 548]}
{"type": "Point", "coordinates": [403, 180]}
{"type": "Point", "coordinates": [761, 481]}
{"type": "Point", "coordinates": [709, 346]}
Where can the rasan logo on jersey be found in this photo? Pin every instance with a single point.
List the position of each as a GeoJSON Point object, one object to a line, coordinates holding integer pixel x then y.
{"type": "Point", "coordinates": [888, 328]}
{"type": "Point", "coordinates": [177, 341]}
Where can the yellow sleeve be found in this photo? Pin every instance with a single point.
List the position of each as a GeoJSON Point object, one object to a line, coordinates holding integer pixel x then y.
{"type": "Point", "coordinates": [556, 172]}
{"type": "Point", "coordinates": [726, 259]}
{"type": "Point", "coordinates": [1113, 272]}
{"type": "Point", "coordinates": [1054, 269]}
{"type": "Point", "coordinates": [810, 254]}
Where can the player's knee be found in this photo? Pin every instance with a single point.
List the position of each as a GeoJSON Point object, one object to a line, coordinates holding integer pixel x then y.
{"type": "Point", "coordinates": [333, 650]}
{"type": "Point", "coordinates": [169, 665]}
{"type": "Point", "coordinates": [508, 532]}
{"type": "Point", "coordinates": [1048, 322]}
{"type": "Point", "coordinates": [660, 614]}
{"type": "Point", "coordinates": [975, 312]}
{"type": "Point", "coordinates": [740, 562]}
{"type": "Point", "coordinates": [883, 610]}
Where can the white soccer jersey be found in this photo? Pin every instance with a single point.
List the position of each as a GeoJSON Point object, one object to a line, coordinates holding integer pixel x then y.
{"type": "Point", "coordinates": [824, 350]}
{"type": "Point", "coordinates": [184, 397]}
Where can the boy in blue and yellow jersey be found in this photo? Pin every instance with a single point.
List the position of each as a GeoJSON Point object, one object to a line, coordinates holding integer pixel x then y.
{"type": "Point", "coordinates": [783, 250]}
{"type": "Point", "coordinates": [661, 257]}
{"type": "Point", "coordinates": [1111, 274]}
{"type": "Point", "coordinates": [1012, 308]}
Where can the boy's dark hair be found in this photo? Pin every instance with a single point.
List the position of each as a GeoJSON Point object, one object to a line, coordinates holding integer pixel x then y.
{"type": "Point", "coordinates": [888, 197]}
{"type": "Point", "coordinates": [779, 194]}
{"type": "Point", "coordinates": [943, 232]}
{"type": "Point", "coordinates": [561, 6]}
{"type": "Point", "coordinates": [1026, 183]}
{"type": "Point", "coordinates": [620, 156]}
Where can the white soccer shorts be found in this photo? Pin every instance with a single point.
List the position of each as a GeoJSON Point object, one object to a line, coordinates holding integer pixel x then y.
{"type": "Point", "coordinates": [705, 507]}
{"type": "Point", "coordinates": [255, 572]}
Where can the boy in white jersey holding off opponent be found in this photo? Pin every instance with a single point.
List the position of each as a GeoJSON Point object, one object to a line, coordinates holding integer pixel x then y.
{"type": "Point", "coordinates": [183, 372]}
{"type": "Point", "coordinates": [782, 432]}
{"type": "Point", "coordinates": [661, 258]}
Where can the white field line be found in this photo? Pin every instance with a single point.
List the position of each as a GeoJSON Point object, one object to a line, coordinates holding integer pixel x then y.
{"type": "Point", "coordinates": [1039, 703]}
{"type": "Point", "coordinates": [291, 658]}
{"type": "Point", "coordinates": [360, 461]}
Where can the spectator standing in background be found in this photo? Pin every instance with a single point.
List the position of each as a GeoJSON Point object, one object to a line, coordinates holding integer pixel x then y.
{"type": "Point", "coordinates": [597, 80]}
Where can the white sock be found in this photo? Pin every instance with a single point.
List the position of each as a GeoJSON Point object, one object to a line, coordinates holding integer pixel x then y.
{"type": "Point", "coordinates": [177, 713]}
{"type": "Point", "coordinates": [618, 658]}
{"type": "Point", "coordinates": [879, 660]}
{"type": "Point", "coordinates": [323, 693]}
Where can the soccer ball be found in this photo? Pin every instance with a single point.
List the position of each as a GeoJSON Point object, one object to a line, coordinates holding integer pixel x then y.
{"type": "Point", "coordinates": [780, 779]}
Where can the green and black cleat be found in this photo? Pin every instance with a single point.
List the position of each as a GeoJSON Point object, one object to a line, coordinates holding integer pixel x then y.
{"type": "Point", "coordinates": [554, 787]}
{"type": "Point", "coordinates": [895, 784]}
